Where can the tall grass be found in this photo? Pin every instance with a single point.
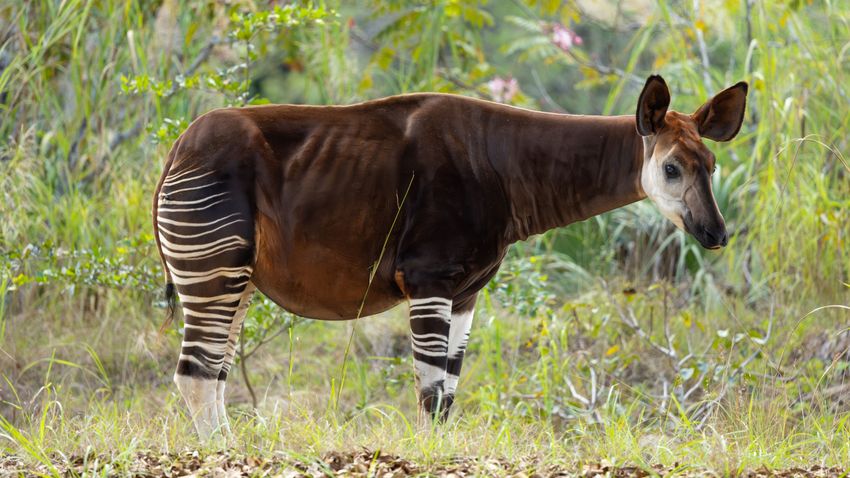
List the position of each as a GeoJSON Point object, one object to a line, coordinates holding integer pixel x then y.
{"type": "Point", "coordinates": [615, 339]}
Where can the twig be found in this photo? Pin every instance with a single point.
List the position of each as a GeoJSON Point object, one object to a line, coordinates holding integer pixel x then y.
{"type": "Point", "coordinates": [125, 135]}
{"type": "Point", "coordinates": [606, 69]}
{"type": "Point", "coordinates": [203, 55]}
{"type": "Point", "coordinates": [245, 369]}
{"type": "Point", "coordinates": [581, 398]}
{"type": "Point", "coordinates": [263, 340]}
{"type": "Point", "coordinates": [628, 318]}
{"type": "Point", "coordinates": [667, 336]}
{"type": "Point", "coordinates": [546, 97]}
{"type": "Point", "coordinates": [695, 387]}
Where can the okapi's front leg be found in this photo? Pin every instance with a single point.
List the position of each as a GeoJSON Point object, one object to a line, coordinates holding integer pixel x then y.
{"type": "Point", "coordinates": [461, 323]}
{"type": "Point", "coordinates": [430, 319]}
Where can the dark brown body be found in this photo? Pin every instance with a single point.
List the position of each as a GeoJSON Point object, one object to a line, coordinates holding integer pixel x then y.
{"type": "Point", "coordinates": [325, 184]}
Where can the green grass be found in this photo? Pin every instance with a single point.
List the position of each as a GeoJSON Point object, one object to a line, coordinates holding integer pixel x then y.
{"type": "Point", "coordinates": [617, 339]}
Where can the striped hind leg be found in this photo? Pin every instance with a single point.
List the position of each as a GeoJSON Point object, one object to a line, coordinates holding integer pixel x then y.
{"type": "Point", "coordinates": [230, 352]}
{"type": "Point", "coordinates": [205, 228]}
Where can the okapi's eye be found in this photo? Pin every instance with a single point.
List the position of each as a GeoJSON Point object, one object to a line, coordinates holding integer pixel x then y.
{"type": "Point", "coordinates": [672, 172]}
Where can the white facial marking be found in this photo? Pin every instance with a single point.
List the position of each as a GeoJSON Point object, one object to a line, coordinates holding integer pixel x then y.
{"type": "Point", "coordinates": [667, 195]}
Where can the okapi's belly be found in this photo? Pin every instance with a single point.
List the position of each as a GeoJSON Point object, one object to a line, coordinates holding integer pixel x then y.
{"type": "Point", "coordinates": [318, 282]}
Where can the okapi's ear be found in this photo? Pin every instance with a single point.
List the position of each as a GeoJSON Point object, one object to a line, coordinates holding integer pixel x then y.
{"type": "Point", "coordinates": [652, 106]}
{"type": "Point", "coordinates": [720, 118]}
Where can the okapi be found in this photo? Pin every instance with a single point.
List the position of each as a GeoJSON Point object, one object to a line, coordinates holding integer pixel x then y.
{"type": "Point", "coordinates": [415, 197]}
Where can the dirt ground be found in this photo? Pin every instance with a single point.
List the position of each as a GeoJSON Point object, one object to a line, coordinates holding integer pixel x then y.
{"type": "Point", "coordinates": [353, 464]}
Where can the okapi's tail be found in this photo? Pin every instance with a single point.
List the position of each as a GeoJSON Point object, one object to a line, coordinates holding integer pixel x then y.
{"type": "Point", "coordinates": [170, 296]}
{"type": "Point", "coordinates": [171, 301]}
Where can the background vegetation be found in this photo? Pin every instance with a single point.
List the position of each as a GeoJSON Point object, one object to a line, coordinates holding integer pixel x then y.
{"type": "Point", "coordinates": [617, 339]}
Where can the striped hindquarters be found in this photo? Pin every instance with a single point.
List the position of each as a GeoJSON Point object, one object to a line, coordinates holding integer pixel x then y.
{"type": "Point", "coordinates": [206, 233]}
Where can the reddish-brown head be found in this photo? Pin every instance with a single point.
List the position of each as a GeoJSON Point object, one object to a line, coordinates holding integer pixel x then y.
{"type": "Point", "coordinates": [677, 166]}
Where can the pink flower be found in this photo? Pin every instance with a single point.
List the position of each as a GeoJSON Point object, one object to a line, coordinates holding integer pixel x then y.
{"type": "Point", "coordinates": [503, 89]}
{"type": "Point", "coordinates": [564, 38]}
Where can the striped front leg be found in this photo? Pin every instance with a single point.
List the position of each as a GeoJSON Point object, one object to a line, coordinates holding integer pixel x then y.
{"type": "Point", "coordinates": [461, 323]}
{"type": "Point", "coordinates": [430, 320]}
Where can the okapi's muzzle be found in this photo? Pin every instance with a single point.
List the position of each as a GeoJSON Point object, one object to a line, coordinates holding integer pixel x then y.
{"type": "Point", "coordinates": [702, 218]}
{"type": "Point", "coordinates": [710, 236]}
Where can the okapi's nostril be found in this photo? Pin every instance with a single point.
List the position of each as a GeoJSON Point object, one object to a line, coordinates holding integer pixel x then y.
{"type": "Point", "coordinates": [718, 239]}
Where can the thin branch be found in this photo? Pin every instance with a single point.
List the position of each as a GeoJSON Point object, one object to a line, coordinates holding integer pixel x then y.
{"type": "Point", "coordinates": [244, 368]}
{"type": "Point", "coordinates": [606, 69]}
{"type": "Point", "coordinates": [545, 94]}
{"type": "Point", "coordinates": [202, 55]}
{"type": "Point", "coordinates": [628, 318]}
{"type": "Point", "coordinates": [696, 385]}
{"type": "Point", "coordinates": [705, 411]}
{"type": "Point", "coordinates": [125, 135]}
{"type": "Point", "coordinates": [263, 340]}
{"type": "Point", "coordinates": [581, 398]}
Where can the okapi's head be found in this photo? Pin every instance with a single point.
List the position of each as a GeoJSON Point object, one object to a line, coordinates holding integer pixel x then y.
{"type": "Point", "coordinates": [677, 165]}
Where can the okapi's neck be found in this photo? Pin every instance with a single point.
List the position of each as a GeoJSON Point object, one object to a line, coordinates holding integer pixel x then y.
{"type": "Point", "coordinates": [559, 169]}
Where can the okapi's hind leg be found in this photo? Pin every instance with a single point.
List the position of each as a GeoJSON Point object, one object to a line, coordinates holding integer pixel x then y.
{"type": "Point", "coordinates": [206, 232]}
{"type": "Point", "coordinates": [230, 352]}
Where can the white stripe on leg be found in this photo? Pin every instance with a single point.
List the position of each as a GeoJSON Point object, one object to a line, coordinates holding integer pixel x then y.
{"type": "Point", "coordinates": [461, 323]}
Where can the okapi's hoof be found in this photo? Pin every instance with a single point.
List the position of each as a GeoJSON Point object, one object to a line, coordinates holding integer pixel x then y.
{"type": "Point", "coordinates": [436, 407]}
